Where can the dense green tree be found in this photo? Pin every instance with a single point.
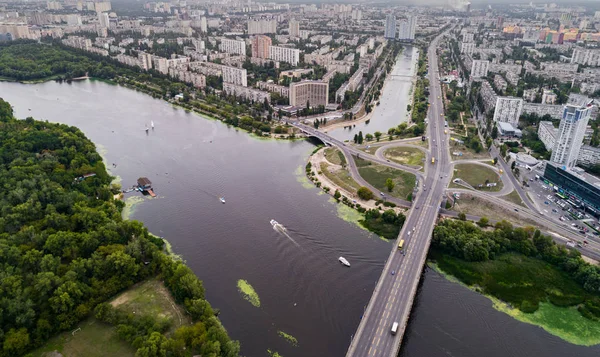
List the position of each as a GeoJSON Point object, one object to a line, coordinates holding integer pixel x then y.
{"type": "Point", "coordinates": [364, 193]}
{"type": "Point", "coordinates": [389, 184]}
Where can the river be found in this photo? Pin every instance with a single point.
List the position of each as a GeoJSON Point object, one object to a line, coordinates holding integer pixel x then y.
{"type": "Point", "coordinates": [303, 289]}
{"type": "Point", "coordinates": [394, 98]}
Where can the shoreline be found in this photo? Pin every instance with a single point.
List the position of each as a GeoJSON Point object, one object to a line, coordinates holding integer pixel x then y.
{"type": "Point", "coordinates": [528, 318]}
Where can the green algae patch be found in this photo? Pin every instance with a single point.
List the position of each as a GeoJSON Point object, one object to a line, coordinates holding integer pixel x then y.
{"type": "Point", "coordinates": [289, 338]}
{"type": "Point", "coordinates": [248, 292]}
{"type": "Point", "coordinates": [273, 353]}
{"type": "Point", "coordinates": [301, 177]}
{"type": "Point", "coordinates": [566, 323]}
{"type": "Point", "coordinates": [130, 204]}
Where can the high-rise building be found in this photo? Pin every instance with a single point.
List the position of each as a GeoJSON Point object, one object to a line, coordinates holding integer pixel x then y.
{"type": "Point", "coordinates": [203, 24]}
{"type": "Point", "coordinates": [407, 28]}
{"type": "Point", "coordinates": [468, 37]}
{"type": "Point", "coordinates": [237, 47]}
{"type": "Point", "coordinates": [508, 110]}
{"type": "Point", "coordinates": [284, 54]}
{"type": "Point", "coordinates": [480, 68]}
{"type": "Point", "coordinates": [467, 48]}
{"type": "Point", "coordinates": [261, 26]}
{"type": "Point", "coordinates": [234, 75]}
{"type": "Point", "coordinates": [570, 134]}
{"type": "Point", "coordinates": [390, 26]}
{"type": "Point", "coordinates": [103, 19]}
{"type": "Point", "coordinates": [294, 29]}
{"type": "Point", "coordinates": [74, 20]}
{"type": "Point", "coordinates": [145, 60]}
{"type": "Point", "coordinates": [312, 93]}
{"type": "Point", "coordinates": [260, 46]}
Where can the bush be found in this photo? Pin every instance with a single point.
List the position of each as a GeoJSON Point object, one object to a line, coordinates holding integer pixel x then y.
{"type": "Point", "coordinates": [365, 194]}
{"type": "Point", "coordinates": [529, 307]}
{"type": "Point", "coordinates": [389, 204]}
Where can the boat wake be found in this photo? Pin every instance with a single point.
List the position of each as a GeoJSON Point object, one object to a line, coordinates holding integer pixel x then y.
{"type": "Point", "coordinates": [278, 227]}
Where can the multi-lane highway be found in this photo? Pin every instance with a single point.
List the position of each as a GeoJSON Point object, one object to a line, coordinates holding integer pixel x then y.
{"type": "Point", "coordinates": [394, 293]}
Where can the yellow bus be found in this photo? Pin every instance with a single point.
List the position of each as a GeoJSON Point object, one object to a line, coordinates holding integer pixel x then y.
{"type": "Point", "coordinates": [433, 160]}
{"type": "Point", "coordinates": [401, 244]}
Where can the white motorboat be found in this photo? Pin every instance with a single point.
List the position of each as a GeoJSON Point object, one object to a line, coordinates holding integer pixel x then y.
{"type": "Point", "coordinates": [222, 199]}
{"type": "Point", "coordinates": [344, 261]}
{"type": "Point", "coordinates": [277, 225]}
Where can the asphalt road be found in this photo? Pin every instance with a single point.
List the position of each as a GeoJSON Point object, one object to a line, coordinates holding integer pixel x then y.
{"type": "Point", "coordinates": [393, 296]}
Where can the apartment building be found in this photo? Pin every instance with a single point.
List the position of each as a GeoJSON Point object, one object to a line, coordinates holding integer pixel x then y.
{"type": "Point", "coordinates": [571, 132]}
{"type": "Point", "coordinates": [261, 26]}
{"type": "Point", "coordinates": [246, 93]}
{"type": "Point", "coordinates": [508, 110]}
{"type": "Point", "coordinates": [406, 30]}
{"type": "Point", "coordinates": [467, 48]}
{"type": "Point", "coordinates": [480, 68]}
{"type": "Point", "coordinates": [500, 83]}
{"type": "Point", "coordinates": [390, 26]}
{"type": "Point", "coordinates": [547, 134]}
{"type": "Point", "coordinates": [260, 46]}
{"type": "Point", "coordinates": [284, 54]}
{"type": "Point", "coordinates": [586, 57]}
{"type": "Point", "coordinates": [234, 75]}
{"type": "Point", "coordinates": [548, 97]}
{"type": "Point", "coordinates": [294, 28]}
{"type": "Point", "coordinates": [313, 93]}
{"type": "Point", "coordinates": [274, 88]}
{"type": "Point", "coordinates": [237, 47]}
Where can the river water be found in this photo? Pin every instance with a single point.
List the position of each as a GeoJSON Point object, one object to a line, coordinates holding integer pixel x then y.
{"type": "Point", "coordinates": [394, 98]}
{"type": "Point", "coordinates": [302, 288]}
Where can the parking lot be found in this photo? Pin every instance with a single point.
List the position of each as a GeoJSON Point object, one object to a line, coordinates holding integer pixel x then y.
{"type": "Point", "coordinates": [558, 209]}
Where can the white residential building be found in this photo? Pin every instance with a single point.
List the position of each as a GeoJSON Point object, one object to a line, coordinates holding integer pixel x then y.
{"type": "Point", "coordinates": [247, 93]}
{"type": "Point", "coordinates": [145, 60]}
{"type": "Point", "coordinates": [313, 93]}
{"type": "Point", "coordinates": [261, 26]}
{"type": "Point", "coordinates": [571, 132]}
{"type": "Point", "coordinates": [236, 47]}
{"type": "Point", "coordinates": [407, 28]}
{"type": "Point", "coordinates": [508, 110]}
{"type": "Point", "coordinates": [160, 64]}
{"type": "Point", "coordinates": [588, 155]}
{"type": "Point", "coordinates": [294, 28]}
{"type": "Point", "coordinates": [480, 68]}
{"type": "Point", "coordinates": [547, 134]}
{"type": "Point", "coordinates": [234, 75]}
{"type": "Point", "coordinates": [586, 57]}
{"type": "Point", "coordinates": [500, 83]}
{"type": "Point", "coordinates": [467, 48]}
{"type": "Point", "coordinates": [284, 54]}
{"type": "Point", "coordinates": [390, 26]}
{"type": "Point", "coordinates": [468, 37]}
{"type": "Point", "coordinates": [103, 19]}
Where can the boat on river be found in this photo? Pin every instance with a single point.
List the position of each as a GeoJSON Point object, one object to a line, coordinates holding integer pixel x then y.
{"type": "Point", "coordinates": [222, 199]}
{"type": "Point", "coordinates": [344, 261]}
{"type": "Point", "coordinates": [277, 225]}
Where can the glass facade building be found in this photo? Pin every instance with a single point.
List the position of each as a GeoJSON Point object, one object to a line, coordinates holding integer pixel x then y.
{"type": "Point", "coordinates": [585, 189]}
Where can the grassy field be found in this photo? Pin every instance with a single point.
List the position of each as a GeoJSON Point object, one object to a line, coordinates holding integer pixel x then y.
{"type": "Point", "coordinates": [484, 208]}
{"type": "Point", "coordinates": [151, 297]}
{"type": "Point", "coordinates": [340, 177]}
{"type": "Point", "coordinates": [335, 156]}
{"type": "Point", "coordinates": [467, 154]}
{"type": "Point", "coordinates": [514, 198]}
{"type": "Point", "coordinates": [405, 156]}
{"type": "Point", "coordinates": [475, 174]}
{"type": "Point", "coordinates": [376, 175]}
{"type": "Point", "coordinates": [95, 339]}
{"type": "Point", "coordinates": [515, 283]}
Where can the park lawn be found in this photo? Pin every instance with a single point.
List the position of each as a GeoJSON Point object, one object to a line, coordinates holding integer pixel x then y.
{"type": "Point", "coordinates": [151, 297]}
{"type": "Point", "coordinates": [405, 156]}
{"type": "Point", "coordinates": [95, 339]}
{"type": "Point", "coordinates": [514, 198]}
{"type": "Point", "coordinates": [475, 174]}
{"type": "Point", "coordinates": [376, 175]}
{"type": "Point", "coordinates": [512, 279]}
{"type": "Point", "coordinates": [340, 177]}
{"type": "Point", "coordinates": [483, 208]}
{"type": "Point", "coordinates": [335, 156]}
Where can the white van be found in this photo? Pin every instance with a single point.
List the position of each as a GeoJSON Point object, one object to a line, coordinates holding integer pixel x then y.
{"type": "Point", "coordinates": [394, 328]}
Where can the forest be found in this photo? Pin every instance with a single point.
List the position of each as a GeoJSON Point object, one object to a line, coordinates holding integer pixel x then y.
{"type": "Point", "coordinates": [472, 244]}
{"type": "Point", "coordinates": [66, 250]}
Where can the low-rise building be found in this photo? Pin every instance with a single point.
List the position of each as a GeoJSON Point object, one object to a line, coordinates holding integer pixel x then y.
{"type": "Point", "coordinates": [500, 83]}
{"type": "Point", "coordinates": [246, 93]}
{"type": "Point", "coordinates": [507, 130]}
{"type": "Point", "coordinates": [274, 88]}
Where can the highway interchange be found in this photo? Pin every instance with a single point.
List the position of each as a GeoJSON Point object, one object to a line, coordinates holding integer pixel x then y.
{"type": "Point", "coordinates": [393, 295]}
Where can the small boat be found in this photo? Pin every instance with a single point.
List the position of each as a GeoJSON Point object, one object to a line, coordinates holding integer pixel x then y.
{"type": "Point", "coordinates": [152, 124]}
{"type": "Point", "coordinates": [344, 261]}
{"type": "Point", "coordinates": [222, 199]}
{"type": "Point", "coordinates": [277, 225]}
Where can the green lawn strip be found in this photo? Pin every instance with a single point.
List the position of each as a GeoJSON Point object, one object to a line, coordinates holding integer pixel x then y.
{"type": "Point", "coordinates": [406, 156]}
{"type": "Point", "coordinates": [548, 296]}
{"type": "Point", "coordinates": [514, 198]}
{"type": "Point", "coordinates": [95, 339]}
{"type": "Point", "coordinates": [335, 156]}
{"type": "Point", "coordinates": [377, 175]}
{"type": "Point", "coordinates": [152, 298]}
{"type": "Point", "coordinates": [340, 177]}
{"type": "Point", "coordinates": [248, 292]}
{"type": "Point", "coordinates": [475, 175]}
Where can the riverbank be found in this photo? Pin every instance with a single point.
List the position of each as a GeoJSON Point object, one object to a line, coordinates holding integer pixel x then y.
{"type": "Point", "coordinates": [536, 280]}
{"type": "Point", "coordinates": [326, 169]}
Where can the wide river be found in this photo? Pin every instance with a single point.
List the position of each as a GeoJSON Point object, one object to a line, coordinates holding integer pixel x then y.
{"type": "Point", "coordinates": [303, 289]}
